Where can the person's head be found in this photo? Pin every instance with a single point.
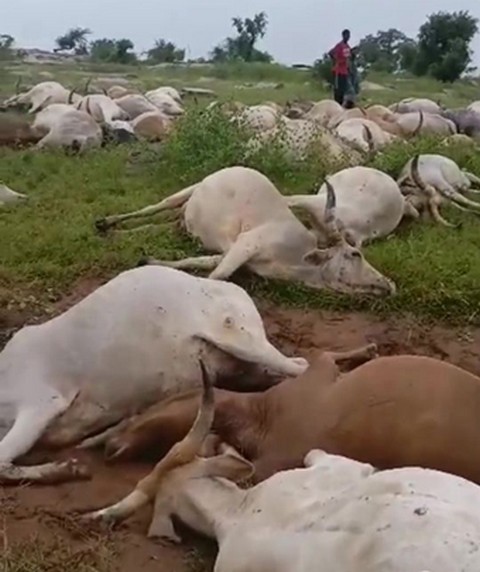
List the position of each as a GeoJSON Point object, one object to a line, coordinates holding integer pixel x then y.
{"type": "Point", "coordinates": [346, 35]}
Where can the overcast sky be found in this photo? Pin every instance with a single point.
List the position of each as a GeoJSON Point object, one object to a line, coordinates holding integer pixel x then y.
{"type": "Point", "coordinates": [299, 30]}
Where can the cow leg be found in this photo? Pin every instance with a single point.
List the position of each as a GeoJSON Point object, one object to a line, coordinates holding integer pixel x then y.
{"type": "Point", "coordinates": [29, 425]}
{"type": "Point", "coordinates": [241, 251]}
{"type": "Point", "coordinates": [195, 263]}
{"type": "Point", "coordinates": [174, 201]}
{"type": "Point", "coordinates": [101, 438]}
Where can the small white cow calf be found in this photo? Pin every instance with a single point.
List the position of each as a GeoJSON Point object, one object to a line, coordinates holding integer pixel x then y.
{"type": "Point", "coordinates": [165, 102]}
{"type": "Point", "coordinates": [239, 212]}
{"type": "Point", "coordinates": [438, 178]}
{"type": "Point", "coordinates": [135, 104]}
{"type": "Point", "coordinates": [411, 104]}
{"type": "Point", "coordinates": [8, 196]}
{"type": "Point", "coordinates": [369, 204]}
{"type": "Point", "coordinates": [101, 108]}
{"type": "Point", "coordinates": [133, 341]}
{"type": "Point", "coordinates": [42, 95]}
{"type": "Point", "coordinates": [334, 515]}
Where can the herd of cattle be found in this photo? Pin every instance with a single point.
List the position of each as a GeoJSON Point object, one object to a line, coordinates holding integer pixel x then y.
{"type": "Point", "coordinates": [373, 470]}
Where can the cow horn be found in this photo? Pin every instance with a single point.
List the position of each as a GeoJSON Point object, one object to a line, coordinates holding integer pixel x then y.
{"type": "Point", "coordinates": [331, 227]}
{"type": "Point", "coordinates": [180, 454]}
{"type": "Point", "coordinates": [369, 138]}
{"type": "Point", "coordinates": [70, 96]}
{"type": "Point", "coordinates": [185, 451]}
{"type": "Point", "coordinates": [362, 110]}
{"type": "Point", "coordinates": [415, 173]}
{"type": "Point", "coordinates": [17, 85]}
{"type": "Point", "coordinates": [420, 124]}
{"type": "Point", "coordinates": [87, 85]}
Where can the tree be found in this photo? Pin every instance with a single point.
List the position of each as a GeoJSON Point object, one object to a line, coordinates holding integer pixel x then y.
{"type": "Point", "coordinates": [444, 45]}
{"type": "Point", "coordinates": [74, 40]}
{"type": "Point", "coordinates": [6, 45]}
{"type": "Point", "coordinates": [113, 51]}
{"type": "Point", "coordinates": [242, 47]}
{"type": "Point", "coordinates": [323, 69]}
{"type": "Point", "coordinates": [164, 51]}
{"type": "Point", "coordinates": [384, 51]}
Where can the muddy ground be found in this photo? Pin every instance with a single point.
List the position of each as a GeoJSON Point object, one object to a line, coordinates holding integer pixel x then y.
{"type": "Point", "coordinates": [43, 513]}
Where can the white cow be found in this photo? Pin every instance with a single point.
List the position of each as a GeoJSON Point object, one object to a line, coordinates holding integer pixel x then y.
{"type": "Point", "coordinates": [135, 104]}
{"type": "Point", "coordinates": [101, 108]}
{"type": "Point", "coordinates": [364, 134]}
{"type": "Point", "coordinates": [239, 212]}
{"type": "Point", "coordinates": [71, 128]}
{"type": "Point", "coordinates": [152, 125]}
{"type": "Point", "coordinates": [421, 123]}
{"type": "Point", "coordinates": [323, 111]}
{"type": "Point", "coordinates": [258, 117]}
{"type": "Point", "coordinates": [42, 95]}
{"type": "Point", "coordinates": [165, 102]}
{"type": "Point", "coordinates": [334, 515]}
{"type": "Point", "coordinates": [170, 91]}
{"type": "Point", "coordinates": [46, 118]}
{"type": "Point", "coordinates": [369, 204]}
{"type": "Point", "coordinates": [438, 178]}
{"type": "Point", "coordinates": [131, 342]}
{"type": "Point", "coordinates": [411, 104]}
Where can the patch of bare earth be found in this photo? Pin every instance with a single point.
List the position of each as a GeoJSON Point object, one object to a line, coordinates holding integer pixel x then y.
{"type": "Point", "coordinates": [36, 523]}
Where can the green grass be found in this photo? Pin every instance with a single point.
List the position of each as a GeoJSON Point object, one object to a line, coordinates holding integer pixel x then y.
{"type": "Point", "coordinates": [50, 243]}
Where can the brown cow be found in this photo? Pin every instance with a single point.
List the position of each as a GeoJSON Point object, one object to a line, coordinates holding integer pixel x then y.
{"type": "Point", "coordinates": [16, 131]}
{"type": "Point", "coordinates": [390, 412]}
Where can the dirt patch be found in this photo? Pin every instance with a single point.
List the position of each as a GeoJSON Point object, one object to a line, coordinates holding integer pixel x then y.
{"type": "Point", "coordinates": [44, 513]}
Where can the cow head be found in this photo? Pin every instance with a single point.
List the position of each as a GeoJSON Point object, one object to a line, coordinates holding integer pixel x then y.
{"type": "Point", "coordinates": [341, 266]}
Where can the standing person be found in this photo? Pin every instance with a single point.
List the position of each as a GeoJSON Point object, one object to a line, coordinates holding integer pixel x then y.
{"type": "Point", "coordinates": [353, 84]}
{"type": "Point", "coordinates": [340, 55]}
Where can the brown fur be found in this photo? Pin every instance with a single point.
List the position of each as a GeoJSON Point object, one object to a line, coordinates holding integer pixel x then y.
{"type": "Point", "coordinates": [17, 132]}
{"type": "Point", "coordinates": [391, 412]}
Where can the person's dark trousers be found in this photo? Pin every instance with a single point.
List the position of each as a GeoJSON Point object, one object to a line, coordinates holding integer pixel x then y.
{"type": "Point", "coordinates": [340, 87]}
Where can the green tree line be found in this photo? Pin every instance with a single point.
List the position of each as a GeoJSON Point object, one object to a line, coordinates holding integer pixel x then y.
{"type": "Point", "coordinates": [442, 48]}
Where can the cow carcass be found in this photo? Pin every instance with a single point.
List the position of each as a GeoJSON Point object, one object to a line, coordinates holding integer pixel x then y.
{"type": "Point", "coordinates": [152, 126]}
{"type": "Point", "coordinates": [337, 509]}
{"type": "Point", "coordinates": [475, 106]}
{"type": "Point", "coordinates": [369, 204]}
{"type": "Point", "coordinates": [467, 121]}
{"type": "Point", "coordinates": [135, 104]}
{"type": "Point", "coordinates": [133, 341]}
{"type": "Point", "coordinates": [364, 134]}
{"type": "Point", "coordinates": [258, 118]}
{"type": "Point", "coordinates": [239, 212]}
{"type": "Point", "coordinates": [324, 408]}
{"type": "Point", "coordinates": [42, 95]}
{"type": "Point", "coordinates": [323, 111]}
{"type": "Point", "coordinates": [164, 101]}
{"type": "Point", "coordinates": [102, 108]}
{"type": "Point", "coordinates": [438, 178]}
{"type": "Point", "coordinates": [413, 104]}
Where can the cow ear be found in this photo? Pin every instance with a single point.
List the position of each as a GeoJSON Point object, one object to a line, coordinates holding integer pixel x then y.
{"type": "Point", "coordinates": [317, 256]}
{"type": "Point", "coordinates": [230, 465]}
